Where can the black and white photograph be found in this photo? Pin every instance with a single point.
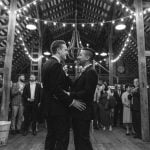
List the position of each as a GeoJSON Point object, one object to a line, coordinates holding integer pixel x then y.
{"type": "Point", "coordinates": [74, 74]}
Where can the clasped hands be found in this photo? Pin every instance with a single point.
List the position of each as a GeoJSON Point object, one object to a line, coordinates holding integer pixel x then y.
{"type": "Point", "coordinates": [76, 103]}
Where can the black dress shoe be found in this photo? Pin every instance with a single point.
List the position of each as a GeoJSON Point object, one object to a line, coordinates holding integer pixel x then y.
{"type": "Point", "coordinates": [34, 133]}
{"type": "Point", "coordinates": [13, 132]}
{"type": "Point", "coordinates": [137, 137]}
{"type": "Point", "coordinates": [18, 131]}
{"type": "Point", "coordinates": [25, 133]}
{"type": "Point", "coordinates": [127, 134]}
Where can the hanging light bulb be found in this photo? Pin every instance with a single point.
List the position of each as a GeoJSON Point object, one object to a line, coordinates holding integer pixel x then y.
{"type": "Point", "coordinates": [87, 45]}
{"type": "Point", "coordinates": [73, 25]}
{"type": "Point", "coordinates": [123, 6]}
{"type": "Point", "coordinates": [83, 25]}
{"type": "Point", "coordinates": [28, 5]}
{"type": "Point", "coordinates": [46, 53]}
{"type": "Point", "coordinates": [103, 54]}
{"type": "Point", "coordinates": [122, 19]}
{"type": "Point", "coordinates": [45, 22]}
{"type": "Point", "coordinates": [92, 24]}
{"type": "Point", "coordinates": [64, 25]}
{"type": "Point", "coordinates": [25, 9]}
{"type": "Point", "coordinates": [117, 2]}
{"type": "Point", "coordinates": [127, 9]}
{"type": "Point", "coordinates": [54, 23]}
{"type": "Point", "coordinates": [96, 53]}
{"type": "Point", "coordinates": [102, 23]}
{"type": "Point", "coordinates": [31, 26]}
{"type": "Point", "coordinates": [120, 26]}
{"type": "Point", "coordinates": [113, 22]}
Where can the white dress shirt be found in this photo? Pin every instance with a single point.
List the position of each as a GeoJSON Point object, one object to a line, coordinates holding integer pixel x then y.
{"type": "Point", "coordinates": [32, 89]}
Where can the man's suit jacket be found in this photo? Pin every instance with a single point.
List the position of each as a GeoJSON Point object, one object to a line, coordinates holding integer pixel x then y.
{"type": "Point", "coordinates": [27, 94]}
{"type": "Point", "coordinates": [54, 100]}
{"type": "Point", "coordinates": [136, 106]}
{"type": "Point", "coordinates": [118, 97]}
{"type": "Point", "coordinates": [83, 89]}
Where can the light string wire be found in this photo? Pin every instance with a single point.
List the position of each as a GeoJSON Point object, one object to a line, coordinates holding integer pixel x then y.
{"type": "Point", "coordinates": [124, 48]}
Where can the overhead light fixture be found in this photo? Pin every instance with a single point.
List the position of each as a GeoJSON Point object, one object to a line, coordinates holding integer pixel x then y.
{"type": "Point", "coordinates": [120, 26]}
{"type": "Point", "coordinates": [96, 53]}
{"type": "Point", "coordinates": [103, 54]}
{"type": "Point", "coordinates": [31, 26]}
{"type": "Point", "coordinates": [47, 53]}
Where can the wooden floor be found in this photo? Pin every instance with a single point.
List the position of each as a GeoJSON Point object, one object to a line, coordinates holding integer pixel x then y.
{"type": "Point", "coordinates": [101, 140]}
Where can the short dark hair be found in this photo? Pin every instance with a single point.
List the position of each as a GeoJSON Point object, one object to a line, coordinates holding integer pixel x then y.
{"type": "Point", "coordinates": [128, 85]}
{"type": "Point", "coordinates": [32, 74]}
{"type": "Point", "coordinates": [19, 75]}
{"type": "Point", "coordinates": [90, 52]}
{"type": "Point", "coordinates": [56, 44]}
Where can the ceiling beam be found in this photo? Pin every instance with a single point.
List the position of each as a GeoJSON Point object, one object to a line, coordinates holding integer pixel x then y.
{"type": "Point", "coordinates": [94, 6]}
{"type": "Point", "coordinates": [57, 6]}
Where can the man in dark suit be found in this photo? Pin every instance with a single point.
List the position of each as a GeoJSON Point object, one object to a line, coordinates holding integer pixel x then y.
{"type": "Point", "coordinates": [118, 111]}
{"type": "Point", "coordinates": [55, 101]}
{"type": "Point", "coordinates": [83, 90]}
{"type": "Point", "coordinates": [31, 99]}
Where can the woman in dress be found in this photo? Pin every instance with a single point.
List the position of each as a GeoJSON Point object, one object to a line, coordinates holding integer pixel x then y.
{"type": "Point", "coordinates": [126, 101]}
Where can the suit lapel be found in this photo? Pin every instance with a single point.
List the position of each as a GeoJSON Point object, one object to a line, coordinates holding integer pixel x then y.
{"type": "Point", "coordinates": [82, 74]}
{"type": "Point", "coordinates": [29, 90]}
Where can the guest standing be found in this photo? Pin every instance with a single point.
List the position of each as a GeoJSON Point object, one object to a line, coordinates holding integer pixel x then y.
{"type": "Point", "coordinates": [118, 110]}
{"type": "Point", "coordinates": [31, 97]}
{"type": "Point", "coordinates": [127, 115]}
{"type": "Point", "coordinates": [17, 105]}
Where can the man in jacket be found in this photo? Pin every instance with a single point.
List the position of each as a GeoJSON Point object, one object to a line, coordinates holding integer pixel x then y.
{"type": "Point", "coordinates": [17, 104]}
{"type": "Point", "coordinates": [55, 101]}
{"type": "Point", "coordinates": [83, 90]}
{"type": "Point", "coordinates": [31, 98]}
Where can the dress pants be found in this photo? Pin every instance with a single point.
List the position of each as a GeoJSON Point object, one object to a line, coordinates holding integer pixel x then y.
{"type": "Point", "coordinates": [118, 114]}
{"type": "Point", "coordinates": [96, 114]}
{"type": "Point", "coordinates": [17, 117]}
{"type": "Point", "coordinates": [57, 133]}
{"type": "Point", "coordinates": [81, 134]}
{"type": "Point", "coordinates": [30, 116]}
{"type": "Point", "coordinates": [136, 119]}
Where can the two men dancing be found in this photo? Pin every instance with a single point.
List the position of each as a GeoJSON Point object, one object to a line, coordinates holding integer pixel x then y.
{"type": "Point", "coordinates": [59, 104]}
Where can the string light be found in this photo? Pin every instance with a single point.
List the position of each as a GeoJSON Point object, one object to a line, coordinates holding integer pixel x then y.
{"type": "Point", "coordinates": [28, 5]}
{"type": "Point", "coordinates": [26, 51]}
{"type": "Point", "coordinates": [3, 6]}
{"type": "Point", "coordinates": [82, 24]}
{"type": "Point", "coordinates": [64, 25]}
{"type": "Point", "coordinates": [73, 25]}
{"type": "Point", "coordinates": [124, 47]}
{"type": "Point", "coordinates": [54, 23]}
{"type": "Point", "coordinates": [92, 24]}
{"type": "Point", "coordinates": [127, 9]}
